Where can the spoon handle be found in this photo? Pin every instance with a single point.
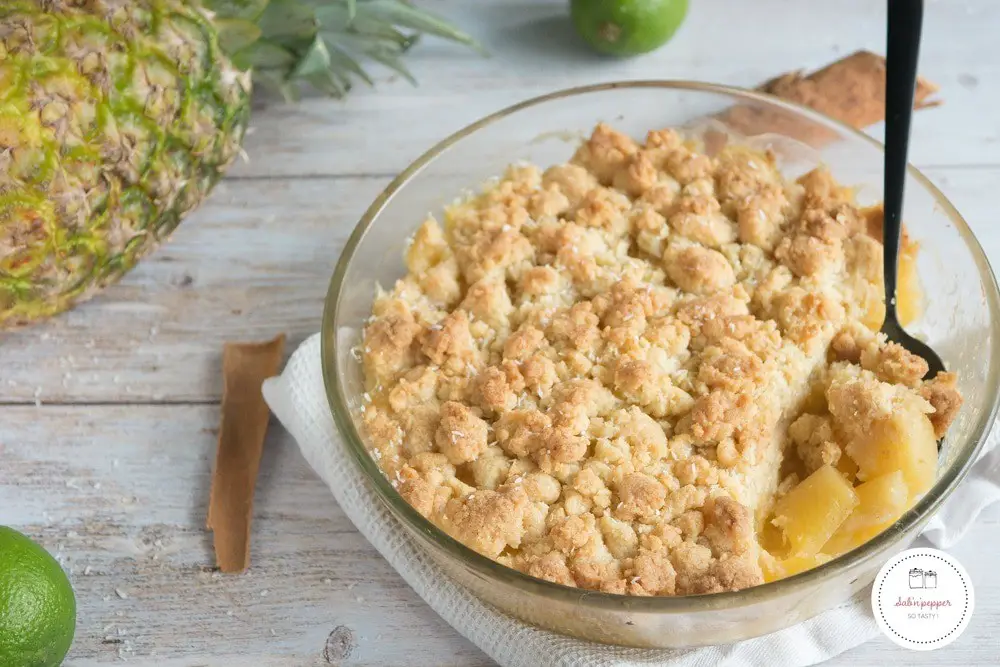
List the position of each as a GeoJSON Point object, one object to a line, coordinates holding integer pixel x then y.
{"type": "Point", "coordinates": [902, 49]}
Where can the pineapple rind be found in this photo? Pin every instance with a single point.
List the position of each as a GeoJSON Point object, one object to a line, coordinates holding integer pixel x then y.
{"type": "Point", "coordinates": [116, 119]}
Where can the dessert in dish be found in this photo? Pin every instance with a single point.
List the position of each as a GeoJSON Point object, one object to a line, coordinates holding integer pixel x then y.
{"type": "Point", "coordinates": [652, 371]}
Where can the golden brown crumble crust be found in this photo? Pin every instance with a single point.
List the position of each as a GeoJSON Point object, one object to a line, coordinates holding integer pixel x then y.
{"type": "Point", "coordinates": [590, 373]}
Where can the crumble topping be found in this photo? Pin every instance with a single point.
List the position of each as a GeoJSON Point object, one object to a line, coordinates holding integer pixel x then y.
{"type": "Point", "coordinates": [594, 373]}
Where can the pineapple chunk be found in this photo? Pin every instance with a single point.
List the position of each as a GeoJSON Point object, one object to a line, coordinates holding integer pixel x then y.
{"type": "Point", "coordinates": [874, 313]}
{"type": "Point", "coordinates": [881, 500]}
{"type": "Point", "coordinates": [843, 541]}
{"type": "Point", "coordinates": [847, 467]}
{"type": "Point", "coordinates": [909, 295]}
{"type": "Point", "coordinates": [771, 539]}
{"type": "Point", "coordinates": [775, 568]}
{"type": "Point", "coordinates": [815, 400]}
{"type": "Point", "coordinates": [809, 514]}
{"type": "Point", "coordinates": [904, 441]}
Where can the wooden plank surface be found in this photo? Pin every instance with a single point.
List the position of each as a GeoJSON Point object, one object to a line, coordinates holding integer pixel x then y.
{"type": "Point", "coordinates": [535, 51]}
{"type": "Point", "coordinates": [111, 468]}
{"type": "Point", "coordinates": [254, 261]}
{"type": "Point", "coordinates": [119, 495]}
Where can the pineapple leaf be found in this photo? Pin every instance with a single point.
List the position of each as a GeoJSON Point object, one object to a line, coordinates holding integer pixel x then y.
{"type": "Point", "coordinates": [285, 20]}
{"type": "Point", "coordinates": [394, 63]}
{"type": "Point", "coordinates": [392, 13]}
{"type": "Point", "coordinates": [263, 54]}
{"type": "Point", "coordinates": [321, 42]}
{"type": "Point", "coordinates": [327, 82]}
{"type": "Point", "coordinates": [345, 62]}
{"type": "Point", "coordinates": [397, 12]}
{"type": "Point", "coordinates": [365, 27]}
{"type": "Point", "coordinates": [314, 61]}
{"type": "Point", "coordinates": [384, 54]}
{"type": "Point", "coordinates": [247, 10]}
{"type": "Point", "coordinates": [236, 34]}
{"type": "Point", "coordinates": [277, 80]}
{"type": "Point", "coordinates": [337, 18]}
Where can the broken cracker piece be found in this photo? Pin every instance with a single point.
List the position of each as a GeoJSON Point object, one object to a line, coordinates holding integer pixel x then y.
{"type": "Point", "coordinates": [851, 90]}
{"type": "Point", "coordinates": [243, 426]}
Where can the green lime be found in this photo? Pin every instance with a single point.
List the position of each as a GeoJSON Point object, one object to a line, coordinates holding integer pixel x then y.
{"type": "Point", "coordinates": [37, 605]}
{"type": "Point", "coordinates": [627, 27]}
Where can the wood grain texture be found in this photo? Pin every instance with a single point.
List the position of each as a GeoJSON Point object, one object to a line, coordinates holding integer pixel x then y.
{"type": "Point", "coordinates": [254, 261]}
{"type": "Point", "coordinates": [111, 471]}
{"type": "Point", "coordinates": [119, 495]}
{"type": "Point", "coordinates": [535, 51]}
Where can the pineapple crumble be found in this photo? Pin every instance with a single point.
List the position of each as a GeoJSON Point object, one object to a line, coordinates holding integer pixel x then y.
{"type": "Point", "coordinates": [614, 373]}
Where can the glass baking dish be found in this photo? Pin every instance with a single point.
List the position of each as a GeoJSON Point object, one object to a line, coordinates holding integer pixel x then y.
{"type": "Point", "coordinates": [960, 320]}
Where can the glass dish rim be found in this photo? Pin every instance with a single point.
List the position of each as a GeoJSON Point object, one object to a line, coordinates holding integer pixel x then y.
{"type": "Point", "coordinates": [486, 567]}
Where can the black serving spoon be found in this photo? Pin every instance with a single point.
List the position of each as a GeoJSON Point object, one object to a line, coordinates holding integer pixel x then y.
{"type": "Point", "coordinates": [903, 47]}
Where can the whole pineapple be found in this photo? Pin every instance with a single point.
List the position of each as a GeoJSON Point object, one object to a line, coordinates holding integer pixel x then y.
{"type": "Point", "coordinates": [118, 116]}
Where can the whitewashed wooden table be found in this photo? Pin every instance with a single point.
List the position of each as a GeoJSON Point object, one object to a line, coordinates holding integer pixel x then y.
{"type": "Point", "coordinates": [108, 414]}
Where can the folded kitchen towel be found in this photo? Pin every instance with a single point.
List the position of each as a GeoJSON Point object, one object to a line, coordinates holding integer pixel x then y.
{"type": "Point", "coordinates": [298, 398]}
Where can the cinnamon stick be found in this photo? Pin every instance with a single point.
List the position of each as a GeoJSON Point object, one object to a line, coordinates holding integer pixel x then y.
{"type": "Point", "coordinates": [243, 426]}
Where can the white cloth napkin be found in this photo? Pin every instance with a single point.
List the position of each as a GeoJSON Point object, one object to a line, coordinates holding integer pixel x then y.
{"type": "Point", "coordinates": [298, 398]}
